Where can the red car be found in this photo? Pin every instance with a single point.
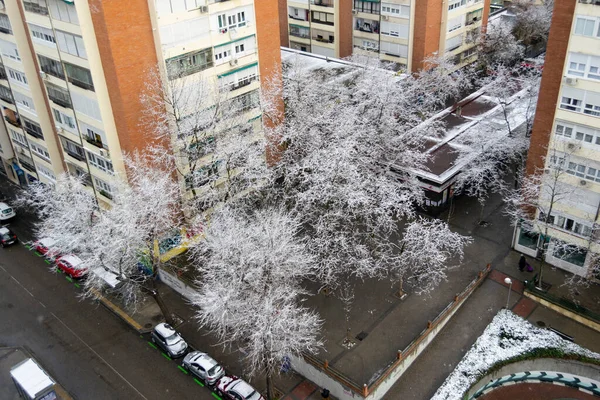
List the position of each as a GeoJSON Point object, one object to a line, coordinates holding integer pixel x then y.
{"type": "Point", "coordinates": [43, 246]}
{"type": "Point", "coordinates": [233, 388]}
{"type": "Point", "coordinates": [71, 265]}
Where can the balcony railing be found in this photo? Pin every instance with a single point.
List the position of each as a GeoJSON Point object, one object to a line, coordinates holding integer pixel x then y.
{"type": "Point", "coordinates": [53, 71]}
{"type": "Point", "coordinates": [6, 30]}
{"type": "Point", "coordinates": [33, 132]}
{"type": "Point", "coordinates": [61, 102]}
{"type": "Point", "coordinates": [300, 35]}
{"type": "Point", "coordinates": [35, 8]}
{"type": "Point", "coordinates": [27, 165]}
{"type": "Point", "coordinates": [7, 98]}
{"type": "Point", "coordinates": [95, 142]}
{"type": "Point", "coordinates": [79, 157]}
{"type": "Point", "coordinates": [322, 39]}
{"type": "Point", "coordinates": [81, 84]}
{"type": "Point", "coordinates": [105, 194]}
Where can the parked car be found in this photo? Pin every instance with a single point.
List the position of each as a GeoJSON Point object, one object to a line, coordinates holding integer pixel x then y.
{"type": "Point", "coordinates": [233, 388]}
{"type": "Point", "coordinates": [71, 265]}
{"type": "Point", "coordinates": [169, 340]}
{"type": "Point", "coordinates": [7, 237]}
{"type": "Point", "coordinates": [43, 246]}
{"type": "Point", "coordinates": [203, 366]}
{"type": "Point", "coordinates": [6, 212]}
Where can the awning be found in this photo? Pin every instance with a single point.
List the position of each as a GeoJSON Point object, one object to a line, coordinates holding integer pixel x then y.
{"type": "Point", "coordinates": [237, 70]}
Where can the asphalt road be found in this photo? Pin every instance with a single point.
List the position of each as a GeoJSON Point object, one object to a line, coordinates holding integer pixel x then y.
{"type": "Point", "coordinates": [92, 353]}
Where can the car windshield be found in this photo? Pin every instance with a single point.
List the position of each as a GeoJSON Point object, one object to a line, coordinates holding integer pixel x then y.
{"type": "Point", "coordinates": [173, 339]}
{"type": "Point", "coordinates": [214, 370]}
{"type": "Point", "coordinates": [7, 211]}
{"type": "Point", "coordinates": [4, 236]}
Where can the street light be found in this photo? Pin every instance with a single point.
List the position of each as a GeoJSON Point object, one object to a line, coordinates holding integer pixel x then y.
{"type": "Point", "coordinates": [508, 281]}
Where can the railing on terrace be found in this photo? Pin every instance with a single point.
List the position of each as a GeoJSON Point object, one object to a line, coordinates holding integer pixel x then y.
{"type": "Point", "coordinates": [35, 8]}
{"type": "Point", "coordinates": [563, 302]}
{"type": "Point", "coordinates": [408, 351]}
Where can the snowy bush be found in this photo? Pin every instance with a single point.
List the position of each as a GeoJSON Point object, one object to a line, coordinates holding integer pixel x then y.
{"type": "Point", "coordinates": [508, 336]}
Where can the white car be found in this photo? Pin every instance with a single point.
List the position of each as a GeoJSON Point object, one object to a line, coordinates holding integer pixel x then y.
{"type": "Point", "coordinates": [6, 212]}
{"type": "Point", "coordinates": [203, 366]}
{"type": "Point", "coordinates": [169, 340]}
{"type": "Point", "coordinates": [233, 388]}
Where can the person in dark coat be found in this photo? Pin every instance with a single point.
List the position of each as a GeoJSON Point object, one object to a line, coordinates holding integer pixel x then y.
{"type": "Point", "coordinates": [522, 263]}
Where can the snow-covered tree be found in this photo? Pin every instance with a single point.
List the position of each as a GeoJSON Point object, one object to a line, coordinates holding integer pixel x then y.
{"type": "Point", "coordinates": [124, 239]}
{"type": "Point", "coordinates": [498, 46]}
{"type": "Point", "coordinates": [532, 21]}
{"type": "Point", "coordinates": [251, 265]}
{"type": "Point", "coordinates": [67, 212]}
{"type": "Point", "coordinates": [216, 152]}
{"type": "Point", "coordinates": [531, 205]}
{"type": "Point", "coordinates": [426, 249]}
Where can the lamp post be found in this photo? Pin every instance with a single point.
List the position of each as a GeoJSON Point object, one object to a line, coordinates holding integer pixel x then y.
{"type": "Point", "coordinates": [508, 281]}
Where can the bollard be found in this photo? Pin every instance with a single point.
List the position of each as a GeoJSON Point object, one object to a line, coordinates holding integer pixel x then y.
{"type": "Point", "coordinates": [365, 390]}
{"type": "Point", "coordinates": [326, 364]}
{"type": "Point", "coordinates": [325, 394]}
{"type": "Point", "coordinates": [429, 324]}
{"type": "Point", "coordinates": [399, 355]}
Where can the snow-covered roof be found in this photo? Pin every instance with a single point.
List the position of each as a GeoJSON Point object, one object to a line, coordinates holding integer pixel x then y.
{"type": "Point", "coordinates": [107, 276]}
{"type": "Point", "coordinates": [507, 336]}
{"type": "Point", "coordinates": [164, 329]}
{"type": "Point", "coordinates": [31, 377]}
{"type": "Point", "coordinates": [47, 242]}
{"type": "Point", "coordinates": [3, 230]}
{"type": "Point", "coordinates": [72, 259]}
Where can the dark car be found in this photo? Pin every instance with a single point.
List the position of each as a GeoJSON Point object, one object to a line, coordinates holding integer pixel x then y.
{"type": "Point", "coordinates": [7, 237]}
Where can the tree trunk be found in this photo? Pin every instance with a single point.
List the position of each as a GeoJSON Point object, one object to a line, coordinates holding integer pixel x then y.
{"type": "Point", "coordinates": [269, 386]}
{"type": "Point", "coordinates": [161, 304]}
{"type": "Point", "coordinates": [401, 287]}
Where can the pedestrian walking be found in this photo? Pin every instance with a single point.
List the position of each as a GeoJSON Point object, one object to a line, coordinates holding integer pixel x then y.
{"type": "Point", "coordinates": [522, 263]}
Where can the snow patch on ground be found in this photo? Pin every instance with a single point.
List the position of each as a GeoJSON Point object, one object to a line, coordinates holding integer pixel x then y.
{"type": "Point", "coordinates": [507, 336]}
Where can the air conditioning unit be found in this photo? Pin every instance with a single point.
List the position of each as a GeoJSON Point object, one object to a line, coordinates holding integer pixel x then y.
{"type": "Point", "coordinates": [233, 62]}
{"type": "Point", "coordinates": [583, 182]}
{"type": "Point", "coordinates": [354, 11]}
{"type": "Point", "coordinates": [385, 17]}
{"type": "Point", "coordinates": [43, 75]}
{"type": "Point", "coordinates": [203, 9]}
{"type": "Point", "coordinates": [572, 146]}
{"type": "Point", "coordinates": [570, 81]}
{"type": "Point", "coordinates": [59, 129]}
{"type": "Point", "coordinates": [103, 153]}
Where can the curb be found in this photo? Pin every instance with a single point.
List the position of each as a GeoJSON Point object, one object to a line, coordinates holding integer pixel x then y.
{"type": "Point", "coordinates": [119, 312]}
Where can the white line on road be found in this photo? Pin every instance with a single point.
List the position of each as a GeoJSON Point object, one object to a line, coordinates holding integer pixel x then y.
{"type": "Point", "coordinates": [24, 288]}
{"type": "Point", "coordinates": [98, 355]}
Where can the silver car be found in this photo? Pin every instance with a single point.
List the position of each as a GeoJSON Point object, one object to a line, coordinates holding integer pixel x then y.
{"type": "Point", "coordinates": [169, 340]}
{"type": "Point", "coordinates": [203, 366]}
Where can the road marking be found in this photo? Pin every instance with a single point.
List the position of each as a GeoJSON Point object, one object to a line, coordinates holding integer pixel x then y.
{"type": "Point", "coordinates": [46, 261]}
{"type": "Point", "coordinates": [77, 285]}
{"type": "Point", "coordinates": [182, 369]}
{"type": "Point", "coordinates": [69, 279]}
{"type": "Point", "coordinates": [99, 356]}
{"type": "Point", "coordinates": [152, 344]}
{"type": "Point", "coordinates": [216, 396]}
{"type": "Point", "coordinates": [42, 304]}
{"type": "Point", "coordinates": [166, 356]}
{"type": "Point", "coordinates": [198, 382]}
{"type": "Point", "coordinates": [24, 288]}
{"type": "Point", "coordinates": [38, 254]}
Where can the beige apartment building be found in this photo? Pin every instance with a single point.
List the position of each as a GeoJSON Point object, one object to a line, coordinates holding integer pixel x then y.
{"type": "Point", "coordinates": [402, 32]}
{"type": "Point", "coordinates": [73, 71]}
{"type": "Point", "coordinates": [566, 134]}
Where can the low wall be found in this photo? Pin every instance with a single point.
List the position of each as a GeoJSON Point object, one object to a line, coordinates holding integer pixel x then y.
{"type": "Point", "coordinates": [561, 310]}
{"type": "Point", "coordinates": [176, 284]}
{"type": "Point", "coordinates": [589, 371]}
{"type": "Point", "coordinates": [344, 389]}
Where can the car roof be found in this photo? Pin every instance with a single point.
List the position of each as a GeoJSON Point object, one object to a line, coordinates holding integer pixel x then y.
{"type": "Point", "coordinates": [164, 329]}
{"type": "Point", "coordinates": [4, 205]}
{"type": "Point", "coordinates": [243, 388]}
{"type": "Point", "coordinates": [4, 230]}
{"type": "Point", "coordinates": [72, 259]}
{"type": "Point", "coordinates": [46, 242]}
{"type": "Point", "coordinates": [204, 360]}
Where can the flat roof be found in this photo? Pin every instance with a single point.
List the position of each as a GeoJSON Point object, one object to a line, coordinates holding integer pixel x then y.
{"type": "Point", "coordinates": [31, 377]}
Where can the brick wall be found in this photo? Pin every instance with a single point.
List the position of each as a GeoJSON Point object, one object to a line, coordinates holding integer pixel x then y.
{"type": "Point", "coordinates": [344, 36]}
{"type": "Point", "coordinates": [427, 26]}
{"type": "Point", "coordinates": [283, 23]}
{"type": "Point", "coordinates": [558, 42]}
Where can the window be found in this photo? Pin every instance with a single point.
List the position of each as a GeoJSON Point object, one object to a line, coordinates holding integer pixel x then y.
{"type": "Point", "coordinates": [394, 30]}
{"type": "Point", "coordinates": [36, 6]}
{"type": "Point", "coordinates": [322, 18]}
{"type": "Point", "coordinates": [86, 105]}
{"type": "Point", "coordinates": [74, 150]}
{"type": "Point", "coordinates": [63, 11]}
{"type": "Point", "coordinates": [395, 10]}
{"type": "Point", "coordinates": [394, 49]}
{"type": "Point", "coordinates": [58, 95]}
{"type": "Point", "coordinates": [572, 99]}
{"type": "Point", "coordinates": [24, 101]}
{"type": "Point", "coordinates": [64, 120]}
{"type": "Point", "coordinates": [46, 172]}
{"type": "Point", "coordinates": [33, 128]}
{"type": "Point", "coordinates": [365, 6]}
{"type": "Point", "coordinates": [240, 78]}
{"type": "Point", "coordinates": [17, 77]}
{"type": "Point", "coordinates": [5, 24]}
{"type": "Point", "coordinates": [454, 43]}
{"type": "Point", "coordinates": [231, 20]}
{"type": "Point", "coordinates": [71, 44]}
{"type": "Point", "coordinates": [9, 50]}
{"type": "Point", "coordinates": [239, 48]}
{"type": "Point", "coordinates": [592, 103]}
{"type": "Point", "coordinates": [455, 23]}
{"type": "Point", "coordinates": [456, 4]}
{"type": "Point", "coordinates": [569, 253]}
{"type": "Point", "coordinates": [79, 76]}
{"type": "Point", "coordinates": [101, 163]}
{"type": "Point", "coordinates": [576, 169]}
{"type": "Point", "coordinates": [189, 63]}
{"type": "Point", "coordinates": [583, 65]}
{"type": "Point", "coordinates": [18, 138]}
{"type": "Point", "coordinates": [51, 67]}
{"type": "Point", "coordinates": [103, 187]}
{"type": "Point", "coordinates": [585, 26]}
{"type": "Point", "coordinates": [92, 135]}
{"type": "Point", "coordinates": [40, 151]}
{"type": "Point", "coordinates": [222, 55]}
{"type": "Point", "coordinates": [42, 35]}
{"type": "Point", "coordinates": [299, 31]}
{"type": "Point", "coordinates": [175, 6]}
{"type": "Point", "coordinates": [6, 94]}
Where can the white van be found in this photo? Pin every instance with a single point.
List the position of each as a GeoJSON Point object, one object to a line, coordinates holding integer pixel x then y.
{"type": "Point", "coordinates": [6, 212]}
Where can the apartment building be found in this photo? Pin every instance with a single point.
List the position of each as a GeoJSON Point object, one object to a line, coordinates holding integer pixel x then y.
{"type": "Point", "coordinates": [73, 72]}
{"type": "Point", "coordinates": [566, 135]}
{"type": "Point", "coordinates": [402, 32]}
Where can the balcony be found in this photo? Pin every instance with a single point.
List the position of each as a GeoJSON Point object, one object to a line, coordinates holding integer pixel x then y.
{"type": "Point", "coordinates": [13, 122]}
{"type": "Point", "coordinates": [81, 84]}
{"type": "Point", "coordinates": [6, 30]}
{"type": "Point", "coordinates": [97, 143]}
{"type": "Point", "coordinates": [77, 156]}
{"type": "Point", "coordinates": [323, 3]}
{"type": "Point", "coordinates": [61, 102]}
{"type": "Point", "coordinates": [324, 39]}
{"type": "Point", "coordinates": [53, 71]}
{"type": "Point", "coordinates": [33, 132]}
{"type": "Point", "coordinates": [27, 165]}
{"type": "Point", "coordinates": [7, 98]}
{"type": "Point", "coordinates": [35, 8]}
{"type": "Point", "coordinates": [104, 192]}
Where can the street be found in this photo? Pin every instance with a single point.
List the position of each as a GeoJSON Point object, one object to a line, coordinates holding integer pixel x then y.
{"type": "Point", "coordinates": [88, 350]}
